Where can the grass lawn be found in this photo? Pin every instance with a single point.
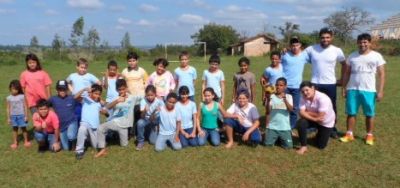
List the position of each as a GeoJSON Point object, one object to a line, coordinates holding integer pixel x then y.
{"type": "Point", "coordinates": [339, 165]}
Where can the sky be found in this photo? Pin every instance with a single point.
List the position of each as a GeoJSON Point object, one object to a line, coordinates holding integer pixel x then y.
{"type": "Point", "coordinates": [151, 22]}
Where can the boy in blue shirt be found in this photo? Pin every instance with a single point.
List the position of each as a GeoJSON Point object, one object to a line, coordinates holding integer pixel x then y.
{"type": "Point", "coordinates": [64, 106]}
{"type": "Point", "coordinates": [186, 75]}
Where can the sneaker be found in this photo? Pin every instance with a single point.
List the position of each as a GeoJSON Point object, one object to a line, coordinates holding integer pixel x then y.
{"type": "Point", "coordinates": [140, 146]}
{"type": "Point", "coordinates": [369, 140]}
{"type": "Point", "coordinates": [79, 155]}
{"type": "Point", "coordinates": [347, 138]}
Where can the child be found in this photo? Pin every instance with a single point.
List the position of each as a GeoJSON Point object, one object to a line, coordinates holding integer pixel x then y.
{"type": "Point", "coordinates": [208, 116]}
{"type": "Point", "coordinates": [109, 80]}
{"type": "Point", "coordinates": [361, 68]}
{"type": "Point", "coordinates": [46, 129]}
{"type": "Point", "coordinates": [120, 120]}
{"type": "Point", "coordinates": [188, 112]}
{"type": "Point", "coordinates": [91, 109]}
{"type": "Point", "coordinates": [214, 78]}
{"type": "Point", "coordinates": [35, 82]}
{"type": "Point", "coordinates": [242, 117]}
{"type": "Point", "coordinates": [80, 80]}
{"type": "Point", "coordinates": [135, 76]}
{"type": "Point", "coordinates": [186, 75]}
{"type": "Point", "coordinates": [162, 79]}
{"type": "Point", "coordinates": [149, 107]}
{"type": "Point", "coordinates": [17, 113]}
{"type": "Point", "coordinates": [64, 106]}
{"type": "Point", "coordinates": [170, 125]}
{"type": "Point", "coordinates": [280, 105]}
{"type": "Point", "coordinates": [244, 80]}
{"type": "Point", "coordinates": [270, 75]}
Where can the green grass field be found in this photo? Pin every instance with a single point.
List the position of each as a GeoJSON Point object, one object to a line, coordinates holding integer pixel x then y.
{"type": "Point", "coordinates": [339, 165]}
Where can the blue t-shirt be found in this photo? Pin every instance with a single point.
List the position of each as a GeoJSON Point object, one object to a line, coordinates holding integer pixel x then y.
{"type": "Point", "coordinates": [112, 92]}
{"type": "Point", "coordinates": [65, 110]}
{"type": "Point", "coordinates": [293, 67]}
{"type": "Point", "coordinates": [168, 121]}
{"type": "Point", "coordinates": [80, 82]}
{"type": "Point", "coordinates": [186, 78]}
{"type": "Point", "coordinates": [152, 107]}
{"type": "Point", "coordinates": [279, 115]}
{"type": "Point", "coordinates": [273, 74]}
{"type": "Point", "coordinates": [213, 80]}
{"type": "Point", "coordinates": [91, 112]}
{"type": "Point", "coordinates": [186, 111]}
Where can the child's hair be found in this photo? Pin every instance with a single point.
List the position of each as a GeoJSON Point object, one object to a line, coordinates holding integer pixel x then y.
{"type": "Point", "coordinates": [211, 90]}
{"type": "Point", "coordinates": [33, 57]}
{"type": "Point", "coordinates": [281, 79]}
{"type": "Point", "coordinates": [184, 90]}
{"type": "Point", "coordinates": [42, 103]}
{"type": "Point", "coordinates": [120, 83]}
{"type": "Point", "coordinates": [16, 85]}
{"type": "Point", "coordinates": [364, 36]}
{"type": "Point", "coordinates": [172, 95]}
{"type": "Point", "coordinates": [183, 53]}
{"type": "Point", "coordinates": [96, 87]}
{"type": "Point", "coordinates": [244, 60]}
{"type": "Point", "coordinates": [325, 30]}
{"type": "Point", "coordinates": [112, 63]}
{"type": "Point", "coordinates": [306, 84]}
{"type": "Point", "coordinates": [214, 59]}
{"type": "Point", "coordinates": [244, 92]}
{"type": "Point", "coordinates": [150, 88]}
{"type": "Point", "coordinates": [132, 55]}
{"type": "Point", "coordinates": [82, 61]}
{"type": "Point", "coordinates": [161, 61]}
{"type": "Point", "coordinates": [277, 53]}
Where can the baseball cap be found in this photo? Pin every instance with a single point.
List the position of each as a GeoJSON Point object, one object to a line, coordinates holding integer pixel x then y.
{"type": "Point", "coordinates": [62, 85]}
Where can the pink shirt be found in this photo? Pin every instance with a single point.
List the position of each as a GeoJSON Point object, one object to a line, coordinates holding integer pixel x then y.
{"type": "Point", "coordinates": [320, 103]}
{"type": "Point", "coordinates": [51, 120]}
{"type": "Point", "coordinates": [164, 83]}
{"type": "Point", "coordinates": [35, 85]}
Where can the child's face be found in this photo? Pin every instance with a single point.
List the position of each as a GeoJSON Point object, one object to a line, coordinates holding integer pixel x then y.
{"type": "Point", "coordinates": [275, 60]}
{"type": "Point", "coordinates": [13, 91]}
{"type": "Point", "coordinates": [363, 45]}
{"type": "Point", "coordinates": [95, 95]}
{"type": "Point", "coordinates": [132, 63]}
{"type": "Point", "coordinates": [160, 69]}
{"type": "Point", "coordinates": [184, 61]}
{"type": "Point", "coordinates": [170, 103]}
{"type": "Point", "coordinates": [122, 91]}
{"type": "Point", "coordinates": [61, 93]}
{"type": "Point", "coordinates": [43, 111]}
{"type": "Point", "coordinates": [214, 66]}
{"type": "Point", "coordinates": [32, 64]}
{"type": "Point", "coordinates": [280, 87]}
{"type": "Point", "coordinates": [184, 97]}
{"type": "Point", "coordinates": [208, 96]}
{"type": "Point", "coordinates": [112, 71]}
{"type": "Point", "coordinates": [82, 69]}
{"type": "Point", "coordinates": [295, 48]}
{"type": "Point", "coordinates": [242, 100]}
{"type": "Point", "coordinates": [244, 67]}
{"type": "Point", "coordinates": [150, 96]}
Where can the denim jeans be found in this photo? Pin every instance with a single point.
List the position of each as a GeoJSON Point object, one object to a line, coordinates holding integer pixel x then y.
{"type": "Point", "coordinates": [188, 141]}
{"type": "Point", "coordinates": [255, 136]}
{"type": "Point", "coordinates": [142, 124]}
{"type": "Point", "coordinates": [84, 131]}
{"type": "Point", "coordinates": [295, 93]}
{"type": "Point", "coordinates": [161, 142]}
{"type": "Point", "coordinates": [213, 134]}
{"type": "Point", "coordinates": [43, 136]}
{"type": "Point", "coordinates": [69, 134]}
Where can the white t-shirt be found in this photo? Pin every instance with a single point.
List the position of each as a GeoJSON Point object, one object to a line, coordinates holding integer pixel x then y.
{"type": "Point", "coordinates": [248, 114]}
{"type": "Point", "coordinates": [363, 70]}
{"type": "Point", "coordinates": [323, 62]}
{"type": "Point", "coordinates": [213, 80]}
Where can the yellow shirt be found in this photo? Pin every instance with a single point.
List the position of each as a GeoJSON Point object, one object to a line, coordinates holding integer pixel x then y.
{"type": "Point", "coordinates": [136, 80]}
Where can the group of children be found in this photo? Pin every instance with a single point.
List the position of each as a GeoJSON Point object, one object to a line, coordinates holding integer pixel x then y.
{"type": "Point", "coordinates": [149, 105]}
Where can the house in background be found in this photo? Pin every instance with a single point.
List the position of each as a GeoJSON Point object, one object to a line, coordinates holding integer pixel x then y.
{"type": "Point", "coordinates": [254, 46]}
{"type": "Point", "coordinates": [388, 29]}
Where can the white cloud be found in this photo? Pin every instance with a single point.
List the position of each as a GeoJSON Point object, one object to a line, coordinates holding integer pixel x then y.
{"type": "Point", "coordinates": [144, 22]}
{"type": "Point", "coordinates": [124, 21]}
{"type": "Point", "coordinates": [192, 19]}
{"type": "Point", "coordinates": [235, 12]}
{"type": "Point", "coordinates": [289, 17]}
{"type": "Point", "coordinates": [85, 4]}
{"type": "Point", "coordinates": [148, 8]}
{"type": "Point", "coordinates": [51, 12]}
{"type": "Point", "coordinates": [117, 8]}
{"type": "Point", "coordinates": [7, 11]}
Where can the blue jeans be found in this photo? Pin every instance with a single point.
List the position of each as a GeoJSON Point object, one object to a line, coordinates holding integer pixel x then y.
{"type": "Point", "coordinates": [188, 141]}
{"type": "Point", "coordinates": [295, 93]}
{"type": "Point", "coordinates": [213, 134]}
{"type": "Point", "coordinates": [45, 137]}
{"type": "Point", "coordinates": [161, 142]}
{"type": "Point", "coordinates": [142, 124]}
{"type": "Point", "coordinates": [69, 134]}
{"type": "Point", "coordinates": [255, 136]}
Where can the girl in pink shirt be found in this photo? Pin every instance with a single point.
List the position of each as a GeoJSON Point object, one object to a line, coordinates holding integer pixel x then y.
{"type": "Point", "coordinates": [162, 79]}
{"type": "Point", "coordinates": [35, 82]}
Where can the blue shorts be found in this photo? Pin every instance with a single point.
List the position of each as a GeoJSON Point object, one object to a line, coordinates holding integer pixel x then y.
{"type": "Point", "coordinates": [18, 120]}
{"type": "Point", "coordinates": [366, 99]}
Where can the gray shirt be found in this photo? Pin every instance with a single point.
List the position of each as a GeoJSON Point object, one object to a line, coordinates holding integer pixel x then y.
{"type": "Point", "coordinates": [244, 81]}
{"type": "Point", "coordinates": [16, 104]}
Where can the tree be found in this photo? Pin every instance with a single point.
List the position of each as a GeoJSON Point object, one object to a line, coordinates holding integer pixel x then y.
{"type": "Point", "coordinates": [288, 30]}
{"type": "Point", "coordinates": [126, 42]}
{"type": "Point", "coordinates": [216, 36]}
{"type": "Point", "coordinates": [348, 20]}
{"type": "Point", "coordinates": [57, 43]}
{"type": "Point", "coordinates": [92, 40]}
{"type": "Point", "coordinates": [34, 42]}
{"type": "Point", "coordinates": [77, 34]}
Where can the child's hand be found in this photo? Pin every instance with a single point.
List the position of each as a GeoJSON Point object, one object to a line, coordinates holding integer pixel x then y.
{"type": "Point", "coordinates": [121, 99]}
{"type": "Point", "coordinates": [245, 136]}
{"type": "Point", "coordinates": [26, 119]}
{"type": "Point", "coordinates": [56, 146]}
{"type": "Point", "coordinates": [344, 92]}
{"type": "Point", "coordinates": [186, 135]}
{"type": "Point", "coordinates": [193, 134]}
{"type": "Point", "coordinates": [44, 125]}
{"type": "Point", "coordinates": [9, 121]}
{"type": "Point", "coordinates": [104, 111]}
{"type": "Point", "coordinates": [201, 133]}
{"type": "Point", "coordinates": [379, 96]}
